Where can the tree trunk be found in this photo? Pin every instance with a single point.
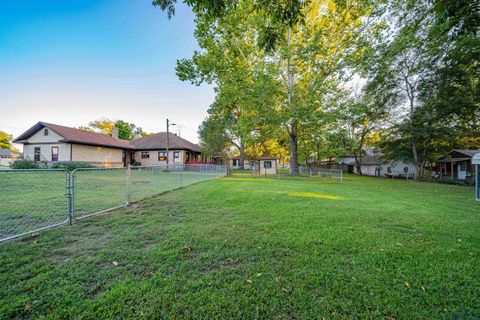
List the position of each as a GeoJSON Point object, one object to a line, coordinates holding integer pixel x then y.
{"type": "Point", "coordinates": [417, 162]}
{"type": "Point", "coordinates": [358, 163]}
{"type": "Point", "coordinates": [293, 139]}
{"type": "Point", "coordinates": [242, 156]}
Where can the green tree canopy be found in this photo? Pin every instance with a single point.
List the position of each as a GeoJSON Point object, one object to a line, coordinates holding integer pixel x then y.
{"type": "Point", "coordinates": [6, 141]}
{"type": "Point", "coordinates": [126, 130]}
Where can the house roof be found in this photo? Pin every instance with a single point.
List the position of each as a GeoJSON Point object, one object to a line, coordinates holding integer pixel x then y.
{"type": "Point", "coordinates": [77, 135]}
{"type": "Point", "coordinates": [372, 160]}
{"type": "Point", "coordinates": [469, 153]}
{"type": "Point", "coordinates": [159, 141]}
{"type": "Point", "coordinates": [72, 135]}
{"type": "Point", "coordinates": [6, 153]}
{"type": "Point", "coordinates": [457, 155]}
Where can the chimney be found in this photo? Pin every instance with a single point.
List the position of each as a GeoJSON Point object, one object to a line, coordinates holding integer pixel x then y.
{"type": "Point", "coordinates": [115, 133]}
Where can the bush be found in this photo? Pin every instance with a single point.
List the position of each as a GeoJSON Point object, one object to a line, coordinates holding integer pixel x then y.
{"type": "Point", "coordinates": [28, 164]}
{"type": "Point", "coordinates": [71, 165]}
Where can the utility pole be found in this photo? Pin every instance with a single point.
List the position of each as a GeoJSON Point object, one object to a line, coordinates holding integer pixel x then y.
{"type": "Point", "coordinates": [168, 125]}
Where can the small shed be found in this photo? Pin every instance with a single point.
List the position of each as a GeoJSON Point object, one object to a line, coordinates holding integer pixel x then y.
{"type": "Point", "coordinates": [267, 165]}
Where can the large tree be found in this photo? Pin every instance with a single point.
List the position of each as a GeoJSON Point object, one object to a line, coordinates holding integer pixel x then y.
{"type": "Point", "coordinates": [231, 61]}
{"type": "Point", "coordinates": [427, 61]}
{"type": "Point", "coordinates": [361, 115]}
{"type": "Point", "coordinates": [286, 86]}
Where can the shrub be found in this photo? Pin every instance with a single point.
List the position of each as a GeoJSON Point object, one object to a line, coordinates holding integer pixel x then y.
{"type": "Point", "coordinates": [71, 165]}
{"type": "Point", "coordinates": [27, 164]}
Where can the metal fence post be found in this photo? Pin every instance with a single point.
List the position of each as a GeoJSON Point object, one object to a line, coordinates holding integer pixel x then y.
{"type": "Point", "coordinates": [69, 197]}
{"type": "Point", "coordinates": [129, 190]}
{"type": "Point", "coordinates": [72, 194]}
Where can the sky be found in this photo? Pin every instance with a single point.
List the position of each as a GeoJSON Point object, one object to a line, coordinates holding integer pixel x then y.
{"type": "Point", "coordinates": [71, 62]}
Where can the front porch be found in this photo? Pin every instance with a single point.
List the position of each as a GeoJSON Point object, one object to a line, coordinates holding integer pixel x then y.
{"type": "Point", "coordinates": [457, 169]}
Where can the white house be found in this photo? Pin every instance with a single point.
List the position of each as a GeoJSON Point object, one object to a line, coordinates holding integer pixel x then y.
{"type": "Point", "coordinates": [374, 165]}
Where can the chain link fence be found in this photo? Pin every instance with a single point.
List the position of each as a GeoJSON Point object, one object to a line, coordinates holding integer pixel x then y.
{"type": "Point", "coordinates": [35, 200]}
{"type": "Point", "coordinates": [302, 171]}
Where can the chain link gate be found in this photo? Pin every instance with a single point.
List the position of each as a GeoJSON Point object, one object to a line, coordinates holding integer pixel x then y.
{"type": "Point", "coordinates": [33, 200]}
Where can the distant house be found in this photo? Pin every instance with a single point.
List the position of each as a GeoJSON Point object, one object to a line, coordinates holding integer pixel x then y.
{"type": "Point", "coordinates": [235, 163]}
{"type": "Point", "coordinates": [347, 160]}
{"type": "Point", "coordinates": [260, 165]}
{"type": "Point", "coordinates": [457, 165]}
{"type": "Point", "coordinates": [51, 143]}
{"type": "Point", "coordinates": [7, 156]}
{"type": "Point", "coordinates": [151, 150]}
{"type": "Point", "coordinates": [375, 165]}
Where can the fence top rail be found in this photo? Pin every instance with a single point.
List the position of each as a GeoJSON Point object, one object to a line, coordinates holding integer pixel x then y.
{"type": "Point", "coordinates": [321, 169]}
{"type": "Point", "coordinates": [34, 170]}
{"type": "Point", "coordinates": [101, 169]}
{"type": "Point", "coordinates": [179, 165]}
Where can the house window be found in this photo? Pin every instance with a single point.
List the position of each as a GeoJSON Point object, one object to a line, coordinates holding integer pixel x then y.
{"type": "Point", "coordinates": [45, 132]}
{"type": "Point", "coordinates": [54, 153]}
{"type": "Point", "coordinates": [389, 170]}
{"type": "Point", "coordinates": [405, 169]}
{"type": "Point", "coordinates": [463, 166]}
{"type": "Point", "coordinates": [176, 155]}
{"type": "Point", "coordinates": [36, 154]}
{"type": "Point", "coordinates": [267, 164]}
{"type": "Point", "coordinates": [162, 156]}
{"type": "Point", "coordinates": [145, 155]}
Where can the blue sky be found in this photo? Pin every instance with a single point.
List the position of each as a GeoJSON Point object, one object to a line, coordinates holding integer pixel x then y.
{"type": "Point", "coordinates": [70, 62]}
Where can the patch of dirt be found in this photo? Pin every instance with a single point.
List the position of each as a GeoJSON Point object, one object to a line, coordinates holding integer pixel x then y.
{"type": "Point", "coordinates": [79, 248]}
{"type": "Point", "coordinates": [141, 182]}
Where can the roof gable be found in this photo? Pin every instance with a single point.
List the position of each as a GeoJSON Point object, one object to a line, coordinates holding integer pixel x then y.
{"type": "Point", "coordinates": [462, 153]}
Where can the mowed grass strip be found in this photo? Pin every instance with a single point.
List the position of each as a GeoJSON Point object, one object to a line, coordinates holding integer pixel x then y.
{"type": "Point", "coordinates": [248, 249]}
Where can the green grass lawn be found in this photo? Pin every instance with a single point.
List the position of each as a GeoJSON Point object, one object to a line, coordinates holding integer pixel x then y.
{"type": "Point", "coordinates": [258, 248]}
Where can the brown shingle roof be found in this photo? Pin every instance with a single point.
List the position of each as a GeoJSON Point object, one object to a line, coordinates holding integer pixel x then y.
{"type": "Point", "coordinates": [159, 141]}
{"type": "Point", "coordinates": [6, 153]}
{"type": "Point", "coordinates": [154, 141]}
{"type": "Point", "coordinates": [77, 135]}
